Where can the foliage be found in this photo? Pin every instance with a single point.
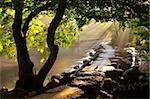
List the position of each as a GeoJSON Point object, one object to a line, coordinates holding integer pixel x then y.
{"type": "Point", "coordinates": [140, 37]}
{"type": "Point", "coordinates": [106, 10]}
{"type": "Point", "coordinates": [7, 45]}
{"type": "Point", "coordinates": [36, 34]}
{"type": "Point", "coordinates": [78, 13]}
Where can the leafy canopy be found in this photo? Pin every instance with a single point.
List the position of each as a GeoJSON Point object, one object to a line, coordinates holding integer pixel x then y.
{"type": "Point", "coordinates": [78, 13]}
{"type": "Point", "coordinates": [36, 34]}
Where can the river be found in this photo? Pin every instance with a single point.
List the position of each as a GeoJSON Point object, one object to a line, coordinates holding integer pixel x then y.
{"type": "Point", "coordinates": [66, 56]}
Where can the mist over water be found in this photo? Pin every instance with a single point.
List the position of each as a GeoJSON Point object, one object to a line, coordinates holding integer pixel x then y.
{"type": "Point", "coordinates": [88, 38]}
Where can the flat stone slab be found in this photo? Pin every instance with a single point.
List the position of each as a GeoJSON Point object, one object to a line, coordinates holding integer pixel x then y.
{"type": "Point", "coordinates": [88, 68]}
{"type": "Point", "coordinates": [68, 93]}
{"type": "Point", "coordinates": [92, 78]}
{"type": "Point", "coordinates": [89, 84]}
{"type": "Point", "coordinates": [106, 68]}
{"type": "Point", "coordinates": [90, 73]}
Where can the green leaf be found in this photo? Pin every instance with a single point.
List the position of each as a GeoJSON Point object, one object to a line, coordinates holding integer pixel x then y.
{"type": "Point", "coordinates": [1, 47]}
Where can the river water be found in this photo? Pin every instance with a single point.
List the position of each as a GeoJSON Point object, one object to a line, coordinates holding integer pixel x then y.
{"type": "Point", "coordinates": [91, 35]}
{"type": "Point", "coordinates": [66, 57]}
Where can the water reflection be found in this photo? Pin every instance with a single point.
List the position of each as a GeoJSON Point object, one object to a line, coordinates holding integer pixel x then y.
{"type": "Point", "coordinates": [66, 57]}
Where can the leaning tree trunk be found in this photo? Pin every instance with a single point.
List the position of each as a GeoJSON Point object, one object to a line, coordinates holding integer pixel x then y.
{"type": "Point", "coordinates": [50, 41]}
{"type": "Point", "coordinates": [27, 80]}
{"type": "Point", "coordinates": [25, 65]}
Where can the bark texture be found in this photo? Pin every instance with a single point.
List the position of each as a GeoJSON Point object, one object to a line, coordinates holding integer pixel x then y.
{"type": "Point", "coordinates": [24, 62]}
{"type": "Point", "coordinates": [27, 80]}
{"type": "Point", "coordinates": [50, 41]}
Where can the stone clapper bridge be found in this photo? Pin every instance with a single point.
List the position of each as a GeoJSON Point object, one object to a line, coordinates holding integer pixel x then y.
{"type": "Point", "coordinates": [102, 73]}
{"type": "Point", "coordinates": [88, 75]}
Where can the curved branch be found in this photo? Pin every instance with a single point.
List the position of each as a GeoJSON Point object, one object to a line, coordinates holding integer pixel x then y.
{"type": "Point", "coordinates": [24, 62]}
{"type": "Point", "coordinates": [50, 41]}
{"type": "Point", "coordinates": [33, 14]}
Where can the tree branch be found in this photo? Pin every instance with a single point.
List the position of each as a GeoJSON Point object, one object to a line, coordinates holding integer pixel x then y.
{"type": "Point", "coordinates": [33, 14]}
{"type": "Point", "coordinates": [24, 62]}
{"type": "Point", "coordinates": [50, 40]}
{"type": "Point", "coordinates": [16, 27]}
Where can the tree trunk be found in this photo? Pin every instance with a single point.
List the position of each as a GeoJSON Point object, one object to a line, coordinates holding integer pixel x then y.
{"type": "Point", "coordinates": [25, 65]}
{"type": "Point", "coordinates": [27, 80]}
{"type": "Point", "coordinates": [50, 41]}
